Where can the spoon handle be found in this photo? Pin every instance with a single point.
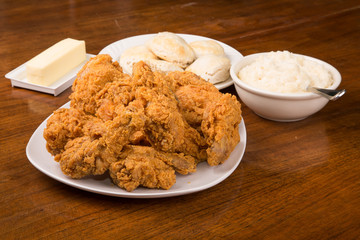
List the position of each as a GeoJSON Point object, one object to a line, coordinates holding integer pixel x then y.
{"type": "Point", "coordinates": [327, 93]}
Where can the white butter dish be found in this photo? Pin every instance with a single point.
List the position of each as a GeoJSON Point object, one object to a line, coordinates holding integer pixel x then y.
{"type": "Point", "coordinates": [18, 79]}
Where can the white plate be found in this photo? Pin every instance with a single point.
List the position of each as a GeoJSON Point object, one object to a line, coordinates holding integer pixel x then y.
{"type": "Point", "coordinates": [205, 176]}
{"type": "Point", "coordinates": [18, 79]}
{"type": "Point", "coordinates": [117, 48]}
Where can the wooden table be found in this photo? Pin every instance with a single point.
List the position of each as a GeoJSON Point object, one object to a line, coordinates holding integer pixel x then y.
{"type": "Point", "coordinates": [298, 180]}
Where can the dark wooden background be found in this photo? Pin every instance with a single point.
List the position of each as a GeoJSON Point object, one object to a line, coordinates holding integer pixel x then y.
{"type": "Point", "coordinates": [297, 180]}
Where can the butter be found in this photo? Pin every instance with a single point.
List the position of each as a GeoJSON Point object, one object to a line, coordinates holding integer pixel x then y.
{"type": "Point", "coordinates": [55, 62]}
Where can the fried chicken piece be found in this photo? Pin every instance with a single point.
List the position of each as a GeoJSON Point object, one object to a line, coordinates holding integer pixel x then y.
{"type": "Point", "coordinates": [63, 125]}
{"type": "Point", "coordinates": [193, 108]}
{"type": "Point", "coordinates": [112, 118]}
{"type": "Point", "coordinates": [148, 167]}
{"type": "Point", "coordinates": [83, 157]}
{"type": "Point", "coordinates": [75, 139]}
{"type": "Point", "coordinates": [98, 144]}
{"type": "Point", "coordinates": [220, 127]}
{"type": "Point", "coordinates": [215, 115]}
{"type": "Point", "coordinates": [89, 147]}
{"type": "Point", "coordinates": [183, 164]}
{"type": "Point", "coordinates": [113, 96]}
{"type": "Point", "coordinates": [166, 129]}
{"type": "Point", "coordinates": [193, 94]}
{"type": "Point", "coordinates": [92, 78]}
{"type": "Point", "coordinates": [66, 124]}
{"type": "Point", "coordinates": [139, 169]}
{"type": "Point", "coordinates": [127, 127]}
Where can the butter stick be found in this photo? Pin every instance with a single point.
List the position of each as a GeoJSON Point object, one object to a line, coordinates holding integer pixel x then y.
{"type": "Point", "coordinates": [55, 62]}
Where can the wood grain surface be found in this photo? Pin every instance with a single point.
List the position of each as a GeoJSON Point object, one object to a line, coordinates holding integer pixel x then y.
{"type": "Point", "coordinates": [298, 180]}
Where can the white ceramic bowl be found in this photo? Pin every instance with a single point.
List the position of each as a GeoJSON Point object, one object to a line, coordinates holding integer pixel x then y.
{"type": "Point", "coordinates": [282, 107]}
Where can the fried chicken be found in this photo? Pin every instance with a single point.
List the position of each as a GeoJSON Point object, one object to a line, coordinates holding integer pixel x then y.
{"type": "Point", "coordinates": [215, 115]}
{"type": "Point", "coordinates": [145, 166]}
{"type": "Point", "coordinates": [84, 156]}
{"type": "Point", "coordinates": [62, 126]}
{"type": "Point", "coordinates": [183, 164]}
{"type": "Point", "coordinates": [75, 140]}
{"type": "Point", "coordinates": [220, 127]}
{"type": "Point", "coordinates": [142, 170]}
{"type": "Point", "coordinates": [91, 79]}
{"type": "Point", "coordinates": [166, 129]}
{"type": "Point", "coordinates": [142, 128]}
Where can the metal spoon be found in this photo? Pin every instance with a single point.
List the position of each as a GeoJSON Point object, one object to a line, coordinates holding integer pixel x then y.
{"type": "Point", "coordinates": [327, 93]}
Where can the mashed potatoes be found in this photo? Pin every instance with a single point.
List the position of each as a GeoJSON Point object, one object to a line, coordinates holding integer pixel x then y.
{"type": "Point", "coordinates": [285, 72]}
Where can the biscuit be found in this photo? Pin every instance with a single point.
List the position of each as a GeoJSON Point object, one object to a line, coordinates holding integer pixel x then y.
{"type": "Point", "coordinates": [205, 47]}
{"type": "Point", "coordinates": [133, 55]}
{"type": "Point", "coordinates": [212, 68]}
{"type": "Point", "coordinates": [162, 66]}
{"type": "Point", "coordinates": [172, 48]}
